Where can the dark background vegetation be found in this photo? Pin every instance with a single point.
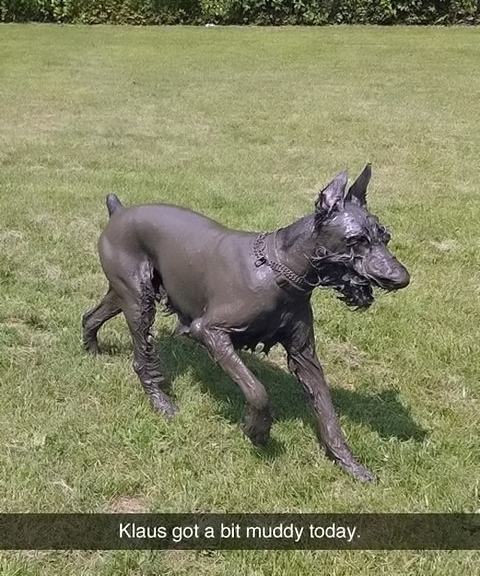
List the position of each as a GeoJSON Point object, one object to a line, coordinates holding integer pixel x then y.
{"type": "Point", "coordinates": [263, 12]}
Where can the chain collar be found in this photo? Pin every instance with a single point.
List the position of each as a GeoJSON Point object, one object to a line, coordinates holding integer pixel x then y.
{"type": "Point", "coordinates": [261, 258]}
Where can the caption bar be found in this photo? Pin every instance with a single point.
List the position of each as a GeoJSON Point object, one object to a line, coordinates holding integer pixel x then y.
{"type": "Point", "coordinates": [240, 531]}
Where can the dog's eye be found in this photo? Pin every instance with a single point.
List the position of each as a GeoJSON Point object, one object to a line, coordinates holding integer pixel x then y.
{"type": "Point", "coordinates": [355, 240]}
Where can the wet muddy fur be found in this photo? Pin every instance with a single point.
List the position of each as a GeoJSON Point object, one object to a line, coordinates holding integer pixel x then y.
{"type": "Point", "coordinates": [232, 289]}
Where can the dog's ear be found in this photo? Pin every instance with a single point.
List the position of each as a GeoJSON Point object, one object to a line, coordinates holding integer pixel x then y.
{"type": "Point", "coordinates": [358, 190]}
{"type": "Point", "coordinates": [332, 196]}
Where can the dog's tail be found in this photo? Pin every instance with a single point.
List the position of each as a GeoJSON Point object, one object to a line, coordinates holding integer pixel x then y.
{"type": "Point", "coordinates": [113, 203]}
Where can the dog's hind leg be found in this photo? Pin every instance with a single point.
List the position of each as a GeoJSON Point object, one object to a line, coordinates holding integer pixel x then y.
{"type": "Point", "coordinates": [258, 415]}
{"type": "Point", "coordinates": [137, 301]}
{"type": "Point", "coordinates": [93, 320]}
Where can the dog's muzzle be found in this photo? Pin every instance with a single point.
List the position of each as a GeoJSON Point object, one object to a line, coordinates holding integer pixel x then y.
{"type": "Point", "coordinates": [387, 274]}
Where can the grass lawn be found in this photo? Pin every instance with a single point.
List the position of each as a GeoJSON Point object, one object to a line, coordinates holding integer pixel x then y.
{"type": "Point", "coordinates": [244, 125]}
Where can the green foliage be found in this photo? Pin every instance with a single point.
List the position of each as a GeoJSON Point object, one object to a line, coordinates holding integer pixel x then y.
{"type": "Point", "coordinates": [139, 12]}
{"type": "Point", "coordinates": [464, 11]}
{"type": "Point", "coordinates": [421, 12]}
{"type": "Point", "coordinates": [216, 11]}
{"type": "Point", "coordinates": [363, 12]}
{"type": "Point", "coordinates": [262, 12]}
{"type": "Point", "coordinates": [277, 12]}
{"type": "Point", "coordinates": [438, 12]}
{"type": "Point", "coordinates": [19, 10]}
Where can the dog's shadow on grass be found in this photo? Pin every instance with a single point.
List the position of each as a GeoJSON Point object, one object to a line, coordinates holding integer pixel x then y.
{"type": "Point", "coordinates": [382, 412]}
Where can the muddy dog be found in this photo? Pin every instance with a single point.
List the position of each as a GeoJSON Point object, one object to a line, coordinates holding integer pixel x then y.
{"type": "Point", "coordinates": [233, 289]}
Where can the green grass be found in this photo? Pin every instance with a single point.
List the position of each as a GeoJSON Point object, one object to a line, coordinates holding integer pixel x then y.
{"type": "Point", "coordinates": [244, 125]}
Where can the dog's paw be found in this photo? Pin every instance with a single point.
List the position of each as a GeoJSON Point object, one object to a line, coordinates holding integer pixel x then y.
{"type": "Point", "coordinates": [92, 348]}
{"type": "Point", "coordinates": [258, 436]}
{"type": "Point", "coordinates": [358, 471]}
{"type": "Point", "coordinates": [258, 439]}
{"type": "Point", "coordinates": [164, 406]}
{"type": "Point", "coordinates": [257, 426]}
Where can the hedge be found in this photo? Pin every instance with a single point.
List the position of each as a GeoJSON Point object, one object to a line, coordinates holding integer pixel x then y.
{"type": "Point", "coordinates": [262, 12]}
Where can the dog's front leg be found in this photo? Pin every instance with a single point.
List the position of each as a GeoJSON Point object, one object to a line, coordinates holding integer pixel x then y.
{"type": "Point", "coordinates": [304, 364]}
{"type": "Point", "coordinates": [258, 415]}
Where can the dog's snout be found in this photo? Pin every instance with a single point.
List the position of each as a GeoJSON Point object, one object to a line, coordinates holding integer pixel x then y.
{"type": "Point", "coordinates": [400, 277]}
{"type": "Point", "coordinates": [385, 270]}
{"type": "Point", "coordinates": [393, 276]}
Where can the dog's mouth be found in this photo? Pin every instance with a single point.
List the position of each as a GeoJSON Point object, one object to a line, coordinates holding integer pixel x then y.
{"type": "Point", "coordinates": [383, 285]}
{"type": "Point", "coordinates": [348, 275]}
{"type": "Point", "coordinates": [336, 271]}
{"type": "Point", "coordinates": [354, 289]}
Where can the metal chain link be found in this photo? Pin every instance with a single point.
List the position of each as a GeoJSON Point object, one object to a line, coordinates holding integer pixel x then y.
{"type": "Point", "coordinates": [259, 247]}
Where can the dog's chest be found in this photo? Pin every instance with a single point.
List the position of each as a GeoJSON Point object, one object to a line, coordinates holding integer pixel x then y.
{"type": "Point", "coordinates": [268, 328]}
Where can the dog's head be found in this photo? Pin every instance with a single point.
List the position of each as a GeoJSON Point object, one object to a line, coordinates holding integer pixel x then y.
{"type": "Point", "coordinates": [352, 252]}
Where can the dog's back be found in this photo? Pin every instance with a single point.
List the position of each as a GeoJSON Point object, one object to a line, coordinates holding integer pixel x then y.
{"type": "Point", "coordinates": [180, 246]}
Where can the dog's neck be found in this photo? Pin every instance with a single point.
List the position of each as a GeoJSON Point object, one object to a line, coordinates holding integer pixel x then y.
{"type": "Point", "coordinates": [296, 244]}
